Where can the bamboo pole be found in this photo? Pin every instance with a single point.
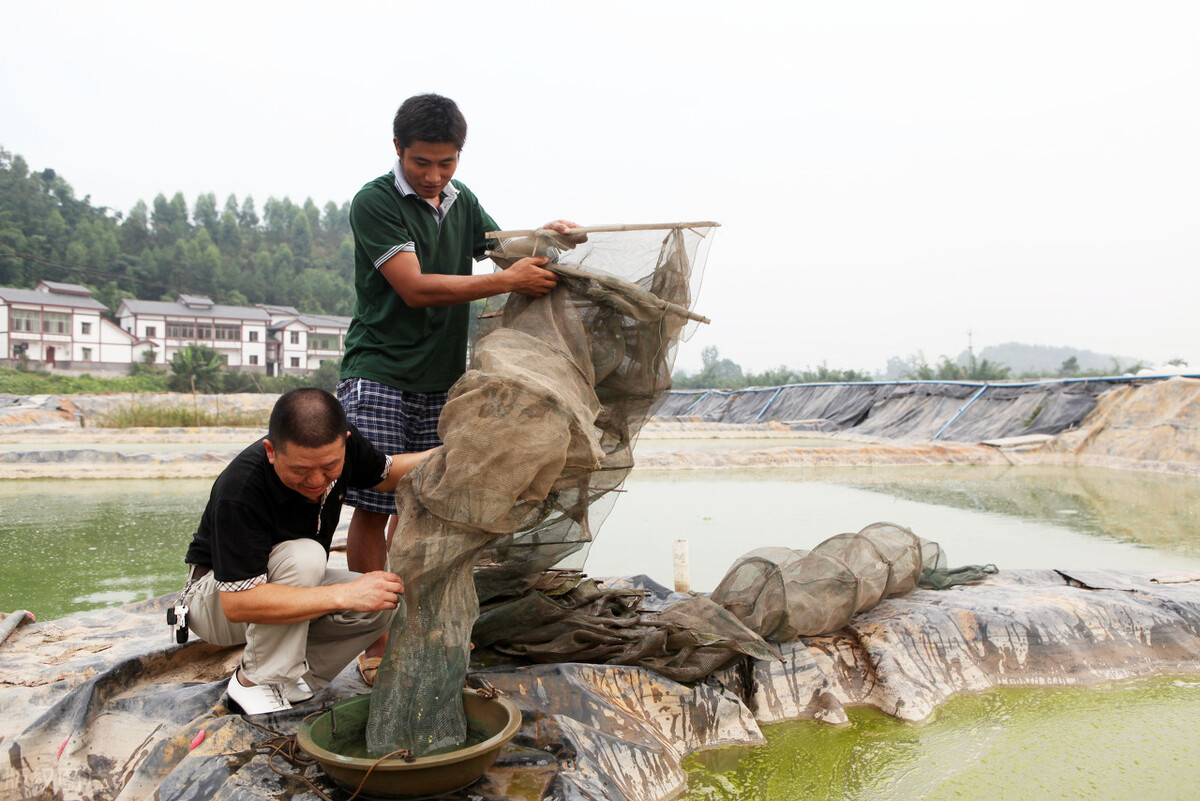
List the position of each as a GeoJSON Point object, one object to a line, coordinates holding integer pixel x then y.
{"type": "Point", "coordinates": [604, 229]}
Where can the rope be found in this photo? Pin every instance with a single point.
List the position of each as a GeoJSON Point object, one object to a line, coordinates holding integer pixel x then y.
{"type": "Point", "coordinates": [286, 746]}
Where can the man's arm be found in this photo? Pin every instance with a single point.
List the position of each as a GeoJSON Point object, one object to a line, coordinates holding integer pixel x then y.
{"type": "Point", "coordinates": [401, 464]}
{"type": "Point", "coordinates": [280, 603]}
{"type": "Point", "coordinates": [418, 289]}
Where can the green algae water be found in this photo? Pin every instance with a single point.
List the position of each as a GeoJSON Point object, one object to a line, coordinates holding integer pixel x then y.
{"type": "Point", "coordinates": [72, 545]}
{"type": "Point", "coordinates": [1128, 742]}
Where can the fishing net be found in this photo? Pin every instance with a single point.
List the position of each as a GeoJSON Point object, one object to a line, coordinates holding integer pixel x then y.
{"type": "Point", "coordinates": [782, 593]}
{"type": "Point", "coordinates": [536, 435]}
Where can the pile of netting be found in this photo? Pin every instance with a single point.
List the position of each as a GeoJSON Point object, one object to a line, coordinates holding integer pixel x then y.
{"type": "Point", "coordinates": [536, 433]}
{"type": "Point", "coordinates": [537, 437]}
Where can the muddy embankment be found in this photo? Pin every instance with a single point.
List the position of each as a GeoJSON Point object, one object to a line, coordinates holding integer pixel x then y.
{"type": "Point", "coordinates": [1142, 423]}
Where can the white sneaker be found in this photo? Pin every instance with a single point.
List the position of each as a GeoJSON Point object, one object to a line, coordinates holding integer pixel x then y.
{"type": "Point", "coordinates": [259, 699]}
{"type": "Point", "coordinates": [300, 691]}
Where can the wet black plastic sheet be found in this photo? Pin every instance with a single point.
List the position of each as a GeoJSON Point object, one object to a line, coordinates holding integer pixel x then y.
{"type": "Point", "coordinates": [102, 705]}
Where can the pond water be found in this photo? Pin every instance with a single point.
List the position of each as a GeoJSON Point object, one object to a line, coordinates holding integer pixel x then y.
{"type": "Point", "coordinates": [1013, 517]}
{"type": "Point", "coordinates": [68, 546]}
{"type": "Point", "coordinates": [1127, 742]}
{"type": "Point", "coordinates": [74, 545]}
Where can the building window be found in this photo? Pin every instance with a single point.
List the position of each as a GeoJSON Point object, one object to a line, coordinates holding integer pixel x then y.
{"type": "Point", "coordinates": [254, 359]}
{"type": "Point", "coordinates": [54, 323]}
{"type": "Point", "coordinates": [228, 333]}
{"type": "Point", "coordinates": [151, 330]}
{"type": "Point", "coordinates": [20, 320]}
{"type": "Point", "coordinates": [295, 338]}
{"type": "Point", "coordinates": [253, 336]}
{"type": "Point", "coordinates": [85, 329]}
{"type": "Point", "coordinates": [87, 353]}
{"type": "Point", "coordinates": [295, 361]}
{"type": "Point", "coordinates": [204, 331]}
{"type": "Point", "coordinates": [181, 331]}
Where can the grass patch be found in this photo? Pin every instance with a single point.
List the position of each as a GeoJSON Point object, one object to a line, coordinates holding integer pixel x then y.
{"type": "Point", "coordinates": [20, 382]}
{"type": "Point", "coordinates": [179, 417]}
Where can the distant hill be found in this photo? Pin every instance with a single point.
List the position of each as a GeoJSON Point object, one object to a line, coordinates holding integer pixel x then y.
{"type": "Point", "coordinates": [1049, 359]}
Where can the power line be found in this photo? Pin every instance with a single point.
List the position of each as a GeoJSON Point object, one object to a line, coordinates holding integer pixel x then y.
{"type": "Point", "coordinates": [92, 271]}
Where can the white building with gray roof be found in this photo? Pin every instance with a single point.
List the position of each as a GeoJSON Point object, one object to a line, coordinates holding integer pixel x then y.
{"type": "Point", "coordinates": [301, 343]}
{"type": "Point", "coordinates": [60, 326]}
{"type": "Point", "coordinates": [237, 332]}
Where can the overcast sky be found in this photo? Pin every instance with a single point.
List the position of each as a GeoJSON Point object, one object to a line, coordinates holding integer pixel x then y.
{"type": "Point", "coordinates": [888, 175]}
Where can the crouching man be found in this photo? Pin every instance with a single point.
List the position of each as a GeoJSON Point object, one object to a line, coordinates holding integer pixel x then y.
{"type": "Point", "coordinates": [258, 559]}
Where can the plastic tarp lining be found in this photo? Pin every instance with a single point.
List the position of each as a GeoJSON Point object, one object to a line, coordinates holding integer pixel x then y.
{"type": "Point", "coordinates": [906, 411]}
{"type": "Point", "coordinates": [100, 705]}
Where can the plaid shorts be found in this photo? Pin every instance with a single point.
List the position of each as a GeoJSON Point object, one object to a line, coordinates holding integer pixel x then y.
{"type": "Point", "coordinates": [395, 421]}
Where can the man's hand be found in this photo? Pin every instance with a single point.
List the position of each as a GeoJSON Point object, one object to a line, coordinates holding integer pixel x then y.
{"type": "Point", "coordinates": [372, 592]}
{"type": "Point", "coordinates": [562, 226]}
{"type": "Point", "coordinates": [526, 277]}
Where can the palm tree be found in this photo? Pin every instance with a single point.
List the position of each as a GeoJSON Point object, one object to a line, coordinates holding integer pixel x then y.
{"type": "Point", "coordinates": [196, 368]}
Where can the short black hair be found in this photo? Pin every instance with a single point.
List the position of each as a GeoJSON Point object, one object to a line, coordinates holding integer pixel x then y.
{"type": "Point", "coordinates": [308, 417]}
{"type": "Point", "coordinates": [429, 118]}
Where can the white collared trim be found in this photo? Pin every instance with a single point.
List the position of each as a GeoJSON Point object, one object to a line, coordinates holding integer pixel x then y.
{"type": "Point", "coordinates": [407, 247]}
{"type": "Point", "coordinates": [402, 184]}
{"type": "Point", "coordinates": [449, 194]}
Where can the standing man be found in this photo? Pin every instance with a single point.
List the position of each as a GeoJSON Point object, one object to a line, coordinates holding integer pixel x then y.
{"type": "Point", "coordinates": [416, 234]}
{"type": "Point", "coordinates": [259, 572]}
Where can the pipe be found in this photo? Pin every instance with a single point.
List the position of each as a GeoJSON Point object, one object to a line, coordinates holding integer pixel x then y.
{"type": "Point", "coordinates": [697, 400]}
{"type": "Point", "coordinates": [960, 411]}
{"type": "Point", "coordinates": [772, 400]}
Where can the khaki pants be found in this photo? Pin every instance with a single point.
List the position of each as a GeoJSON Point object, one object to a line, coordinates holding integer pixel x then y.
{"type": "Point", "coordinates": [315, 650]}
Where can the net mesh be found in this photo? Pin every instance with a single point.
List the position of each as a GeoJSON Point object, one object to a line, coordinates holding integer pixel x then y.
{"type": "Point", "coordinates": [536, 434]}
{"type": "Point", "coordinates": [782, 594]}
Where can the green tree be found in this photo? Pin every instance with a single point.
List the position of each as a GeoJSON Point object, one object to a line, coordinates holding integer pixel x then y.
{"type": "Point", "coordinates": [229, 235]}
{"type": "Point", "coordinates": [302, 235]}
{"type": "Point", "coordinates": [946, 370]}
{"type": "Point", "coordinates": [326, 376]}
{"type": "Point", "coordinates": [319, 291]}
{"type": "Point", "coordinates": [135, 230]}
{"type": "Point", "coordinates": [205, 212]}
{"type": "Point", "coordinates": [196, 368]}
{"type": "Point", "coordinates": [1069, 367]}
{"type": "Point", "coordinates": [248, 217]}
{"type": "Point", "coordinates": [283, 271]}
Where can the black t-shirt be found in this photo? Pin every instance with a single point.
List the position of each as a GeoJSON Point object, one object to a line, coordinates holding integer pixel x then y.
{"type": "Point", "coordinates": [250, 511]}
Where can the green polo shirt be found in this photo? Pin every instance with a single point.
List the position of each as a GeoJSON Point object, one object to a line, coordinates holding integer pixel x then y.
{"type": "Point", "coordinates": [414, 349]}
